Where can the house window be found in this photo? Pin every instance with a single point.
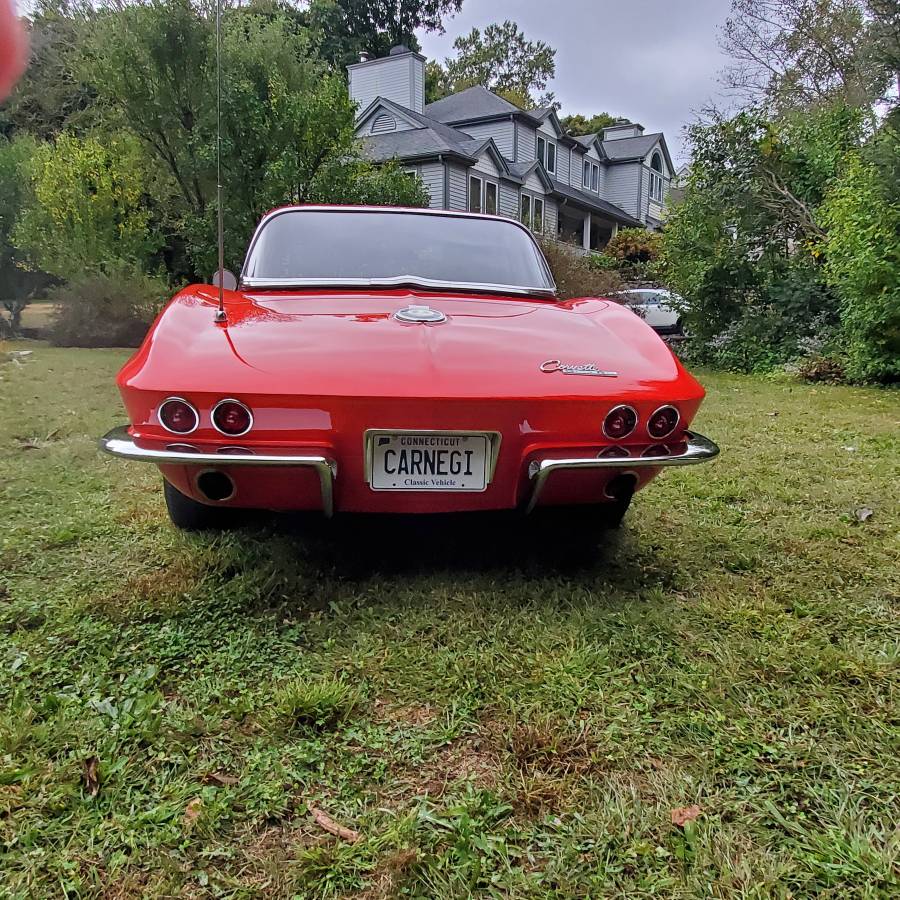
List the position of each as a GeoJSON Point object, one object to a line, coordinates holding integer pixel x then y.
{"type": "Point", "coordinates": [538, 221]}
{"type": "Point", "coordinates": [533, 213]}
{"type": "Point", "coordinates": [490, 198]}
{"type": "Point", "coordinates": [595, 178]}
{"type": "Point", "coordinates": [475, 187]}
{"type": "Point", "coordinates": [546, 153]}
{"type": "Point", "coordinates": [482, 196]}
{"type": "Point", "coordinates": [656, 180]}
{"type": "Point", "coordinates": [586, 181]}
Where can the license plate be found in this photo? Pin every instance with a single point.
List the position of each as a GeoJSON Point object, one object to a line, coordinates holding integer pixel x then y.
{"type": "Point", "coordinates": [429, 461]}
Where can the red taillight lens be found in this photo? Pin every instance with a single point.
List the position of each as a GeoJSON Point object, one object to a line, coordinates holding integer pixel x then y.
{"type": "Point", "coordinates": [232, 417]}
{"type": "Point", "coordinates": [662, 423]}
{"type": "Point", "coordinates": [620, 422]}
{"type": "Point", "coordinates": [614, 453]}
{"type": "Point", "coordinates": [178, 416]}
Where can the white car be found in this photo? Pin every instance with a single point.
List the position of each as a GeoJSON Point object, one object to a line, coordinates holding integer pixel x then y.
{"type": "Point", "coordinates": [658, 307]}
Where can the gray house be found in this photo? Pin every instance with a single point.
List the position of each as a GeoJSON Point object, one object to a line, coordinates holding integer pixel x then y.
{"type": "Point", "coordinates": [476, 151]}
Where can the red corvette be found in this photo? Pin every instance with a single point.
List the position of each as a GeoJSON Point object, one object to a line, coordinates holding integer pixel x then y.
{"type": "Point", "coordinates": [401, 361]}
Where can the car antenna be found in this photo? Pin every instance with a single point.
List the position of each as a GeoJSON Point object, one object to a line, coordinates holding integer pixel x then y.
{"type": "Point", "coordinates": [221, 318]}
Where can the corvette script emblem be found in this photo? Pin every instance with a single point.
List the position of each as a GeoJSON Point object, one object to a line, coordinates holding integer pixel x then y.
{"type": "Point", "coordinates": [555, 365]}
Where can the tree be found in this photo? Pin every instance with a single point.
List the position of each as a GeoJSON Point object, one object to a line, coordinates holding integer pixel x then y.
{"type": "Point", "coordinates": [89, 210]}
{"type": "Point", "coordinates": [350, 27]}
{"type": "Point", "coordinates": [287, 120]}
{"type": "Point", "coordinates": [504, 61]}
{"type": "Point", "coordinates": [49, 96]}
{"type": "Point", "coordinates": [792, 53]}
{"type": "Point", "coordinates": [578, 124]}
{"type": "Point", "coordinates": [18, 283]}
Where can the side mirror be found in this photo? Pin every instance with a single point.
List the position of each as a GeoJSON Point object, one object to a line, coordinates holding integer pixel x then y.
{"type": "Point", "coordinates": [225, 278]}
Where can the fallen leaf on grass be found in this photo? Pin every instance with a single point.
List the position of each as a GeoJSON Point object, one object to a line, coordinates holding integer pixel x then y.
{"type": "Point", "coordinates": [324, 821]}
{"type": "Point", "coordinates": [863, 513]}
{"type": "Point", "coordinates": [685, 814]}
{"type": "Point", "coordinates": [192, 812]}
{"type": "Point", "coordinates": [90, 776]}
{"type": "Point", "coordinates": [220, 779]}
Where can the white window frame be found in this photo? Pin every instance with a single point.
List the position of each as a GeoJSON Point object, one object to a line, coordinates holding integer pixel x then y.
{"type": "Point", "coordinates": [483, 181]}
{"type": "Point", "coordinates": [532, 201]}
{"type": "Point", "coordinates": [484, 204]}
{"type": "Point", "coordinates": [552, 150]}
{"type": "Point", "coordinates": [540, 148]}
{"type": "Point", "coordinates": [595, 178]}
{"type": "Point", "coordinates": [656, 179]}
{"type": "Point", "coordinates": [586, 174]}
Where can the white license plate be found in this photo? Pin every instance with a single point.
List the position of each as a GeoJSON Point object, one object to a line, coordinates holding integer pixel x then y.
{"type": "Point", "coordinates": [429, 461]}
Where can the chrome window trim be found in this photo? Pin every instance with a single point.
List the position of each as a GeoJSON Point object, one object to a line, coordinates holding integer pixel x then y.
{"type": "Point", "coordinates": [655, 411]}
{"type": "Point", "coordinates": [212, 417]}
{"type": "Point", "coordinates": [369, 445]}
{"type": "Point", "coordinates": [699, 449]}
{"type": "Point", "coordinates": [186, 402]}
{"type": "Point", "coordinates": [621, 437]}
{"type": "Point", "coordinates": [548, 290]}
{"type": "Point", "coordinates": [121, 444]}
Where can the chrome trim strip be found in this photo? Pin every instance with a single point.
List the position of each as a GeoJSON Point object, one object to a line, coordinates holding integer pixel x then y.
{"type": "Point", "coordinates": [369, 445]}
{"type": "Point", "coordinates": [699, 449]}
{"type": "Point", "coordinates": [190, 406]}
{"type": "Point", "coordinates": [212, 417]}
{"type": "Point", "coordinates": [121, 444]}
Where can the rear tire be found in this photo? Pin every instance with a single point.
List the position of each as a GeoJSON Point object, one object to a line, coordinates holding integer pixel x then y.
{"type": "Point", "coordinates": [189, 515]}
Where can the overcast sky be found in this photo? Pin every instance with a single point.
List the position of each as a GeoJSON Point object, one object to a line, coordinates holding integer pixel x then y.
{"type": "Point", "coordinates": [654, 61]}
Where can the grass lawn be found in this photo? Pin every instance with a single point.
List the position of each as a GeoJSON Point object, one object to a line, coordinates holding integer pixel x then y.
{"type": "Point", "coordinates": [175, 709]}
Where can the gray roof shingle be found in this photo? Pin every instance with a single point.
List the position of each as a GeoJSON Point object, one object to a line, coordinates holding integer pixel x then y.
{"type": "Point", "coordinates": [473, 103]}
{"type": "Point", "coordinates": [630, 148]}
{"type": "Point", "coordinates": [410, 144]}
{"type": "Point", "coordinates": [595, 204]}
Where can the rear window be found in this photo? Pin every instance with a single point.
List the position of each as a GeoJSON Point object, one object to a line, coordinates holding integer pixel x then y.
{"type": "Point", "coordinates": [373, 247]}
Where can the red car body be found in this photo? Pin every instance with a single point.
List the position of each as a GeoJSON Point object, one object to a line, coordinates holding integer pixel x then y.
{"type": "Point", "coordinates": [327, 373]}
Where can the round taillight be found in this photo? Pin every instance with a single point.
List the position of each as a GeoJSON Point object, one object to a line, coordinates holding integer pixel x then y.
{"type": "Point", "coordinates": [614, 453]}
{"type": "Point", "coordinates": [178, 416]}
{"type": "Point", "coordinates": [620, 422]}
{"type": "Point", "coordinates": [663, 422]}
{"type": "Point", "coordinates": [231, 417]}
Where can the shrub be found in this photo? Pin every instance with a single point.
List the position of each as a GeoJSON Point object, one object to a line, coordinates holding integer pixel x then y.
{"type": "Point", "coordinates": [634, 245]}
{"type": "Point", "coordinates": [576, 276]}
{"type": "Point", "coordinates": [111, 310]}
{"type": "Point", "coordinates": [862, 254]}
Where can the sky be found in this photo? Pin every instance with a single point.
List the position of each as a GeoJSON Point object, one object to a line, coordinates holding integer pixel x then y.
{"type": "Point", "coordinates": [652, 61]}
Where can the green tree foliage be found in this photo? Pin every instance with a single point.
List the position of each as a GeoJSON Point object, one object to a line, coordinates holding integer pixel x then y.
{"type": "Point", "coordinates": [50, 96]}
{"type": "Point", "coordinates": [744, 246]}
{"type": "Point", "coordinates": [287, 121]}
{"type": "Point", "coordinates": [862, 253]}
{"type": "Point", "coordinates": [578, 124]}
{"type": "Point", "coordinates": [89, 208]}
{"type": "Point", "coordinates": [347, 28]}
{"type": "Point", "coordinates": [18, 282]}
{"type": "Point", "coordinates": [503, 60]}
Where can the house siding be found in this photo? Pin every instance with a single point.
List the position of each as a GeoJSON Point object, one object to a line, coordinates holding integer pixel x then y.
{"type": "Point", "coordinates": [400, 79]}
{"type": "Point", "coordinates": [551, 217]}
{"type": "Point", "coordinates": [501, 132]}
{"type": "Point", "coordinates": [623, 183]}
{"type": "Point", "coordinates": [509, 200]}
{"type": "Point", "coordinates": [432, 174]}
{"type": "Point", "coordinates": [526, 143]}
{"type": "Point", "coordinates": [563, 163]}
{"type": "Point", "coordinates": [486, 166]}
{"type": "Point", "coordinates": [366, 125]}
{"type": "Point", "coordinates": [458, 189]}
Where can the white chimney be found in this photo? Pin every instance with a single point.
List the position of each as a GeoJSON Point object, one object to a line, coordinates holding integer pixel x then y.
{"type": "Point", "coordinates": [622, 129]}
{"type": "Point", "coordinates": [399, 76]}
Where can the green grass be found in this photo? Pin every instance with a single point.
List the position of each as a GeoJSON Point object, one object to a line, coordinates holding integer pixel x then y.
{"type": "Point", "coordinates": [490, 721]}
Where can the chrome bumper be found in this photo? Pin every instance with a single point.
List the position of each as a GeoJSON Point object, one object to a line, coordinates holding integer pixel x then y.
{"type": "Point", "coordinates": [699, 449]}
{"type": "Point", "coordinates": [121, 444]}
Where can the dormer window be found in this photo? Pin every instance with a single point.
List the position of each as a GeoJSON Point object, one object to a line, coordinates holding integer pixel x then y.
{"type": "Point", "coordinates": [546, 153]}
{"type": "Point", "coordinates": [656, 178]}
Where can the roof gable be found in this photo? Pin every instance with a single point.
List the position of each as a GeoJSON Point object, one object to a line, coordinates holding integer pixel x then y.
{"type": "Point", "coordinates": [637, 148]}
{"type": "Point", "coordinates": [473, 103]}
